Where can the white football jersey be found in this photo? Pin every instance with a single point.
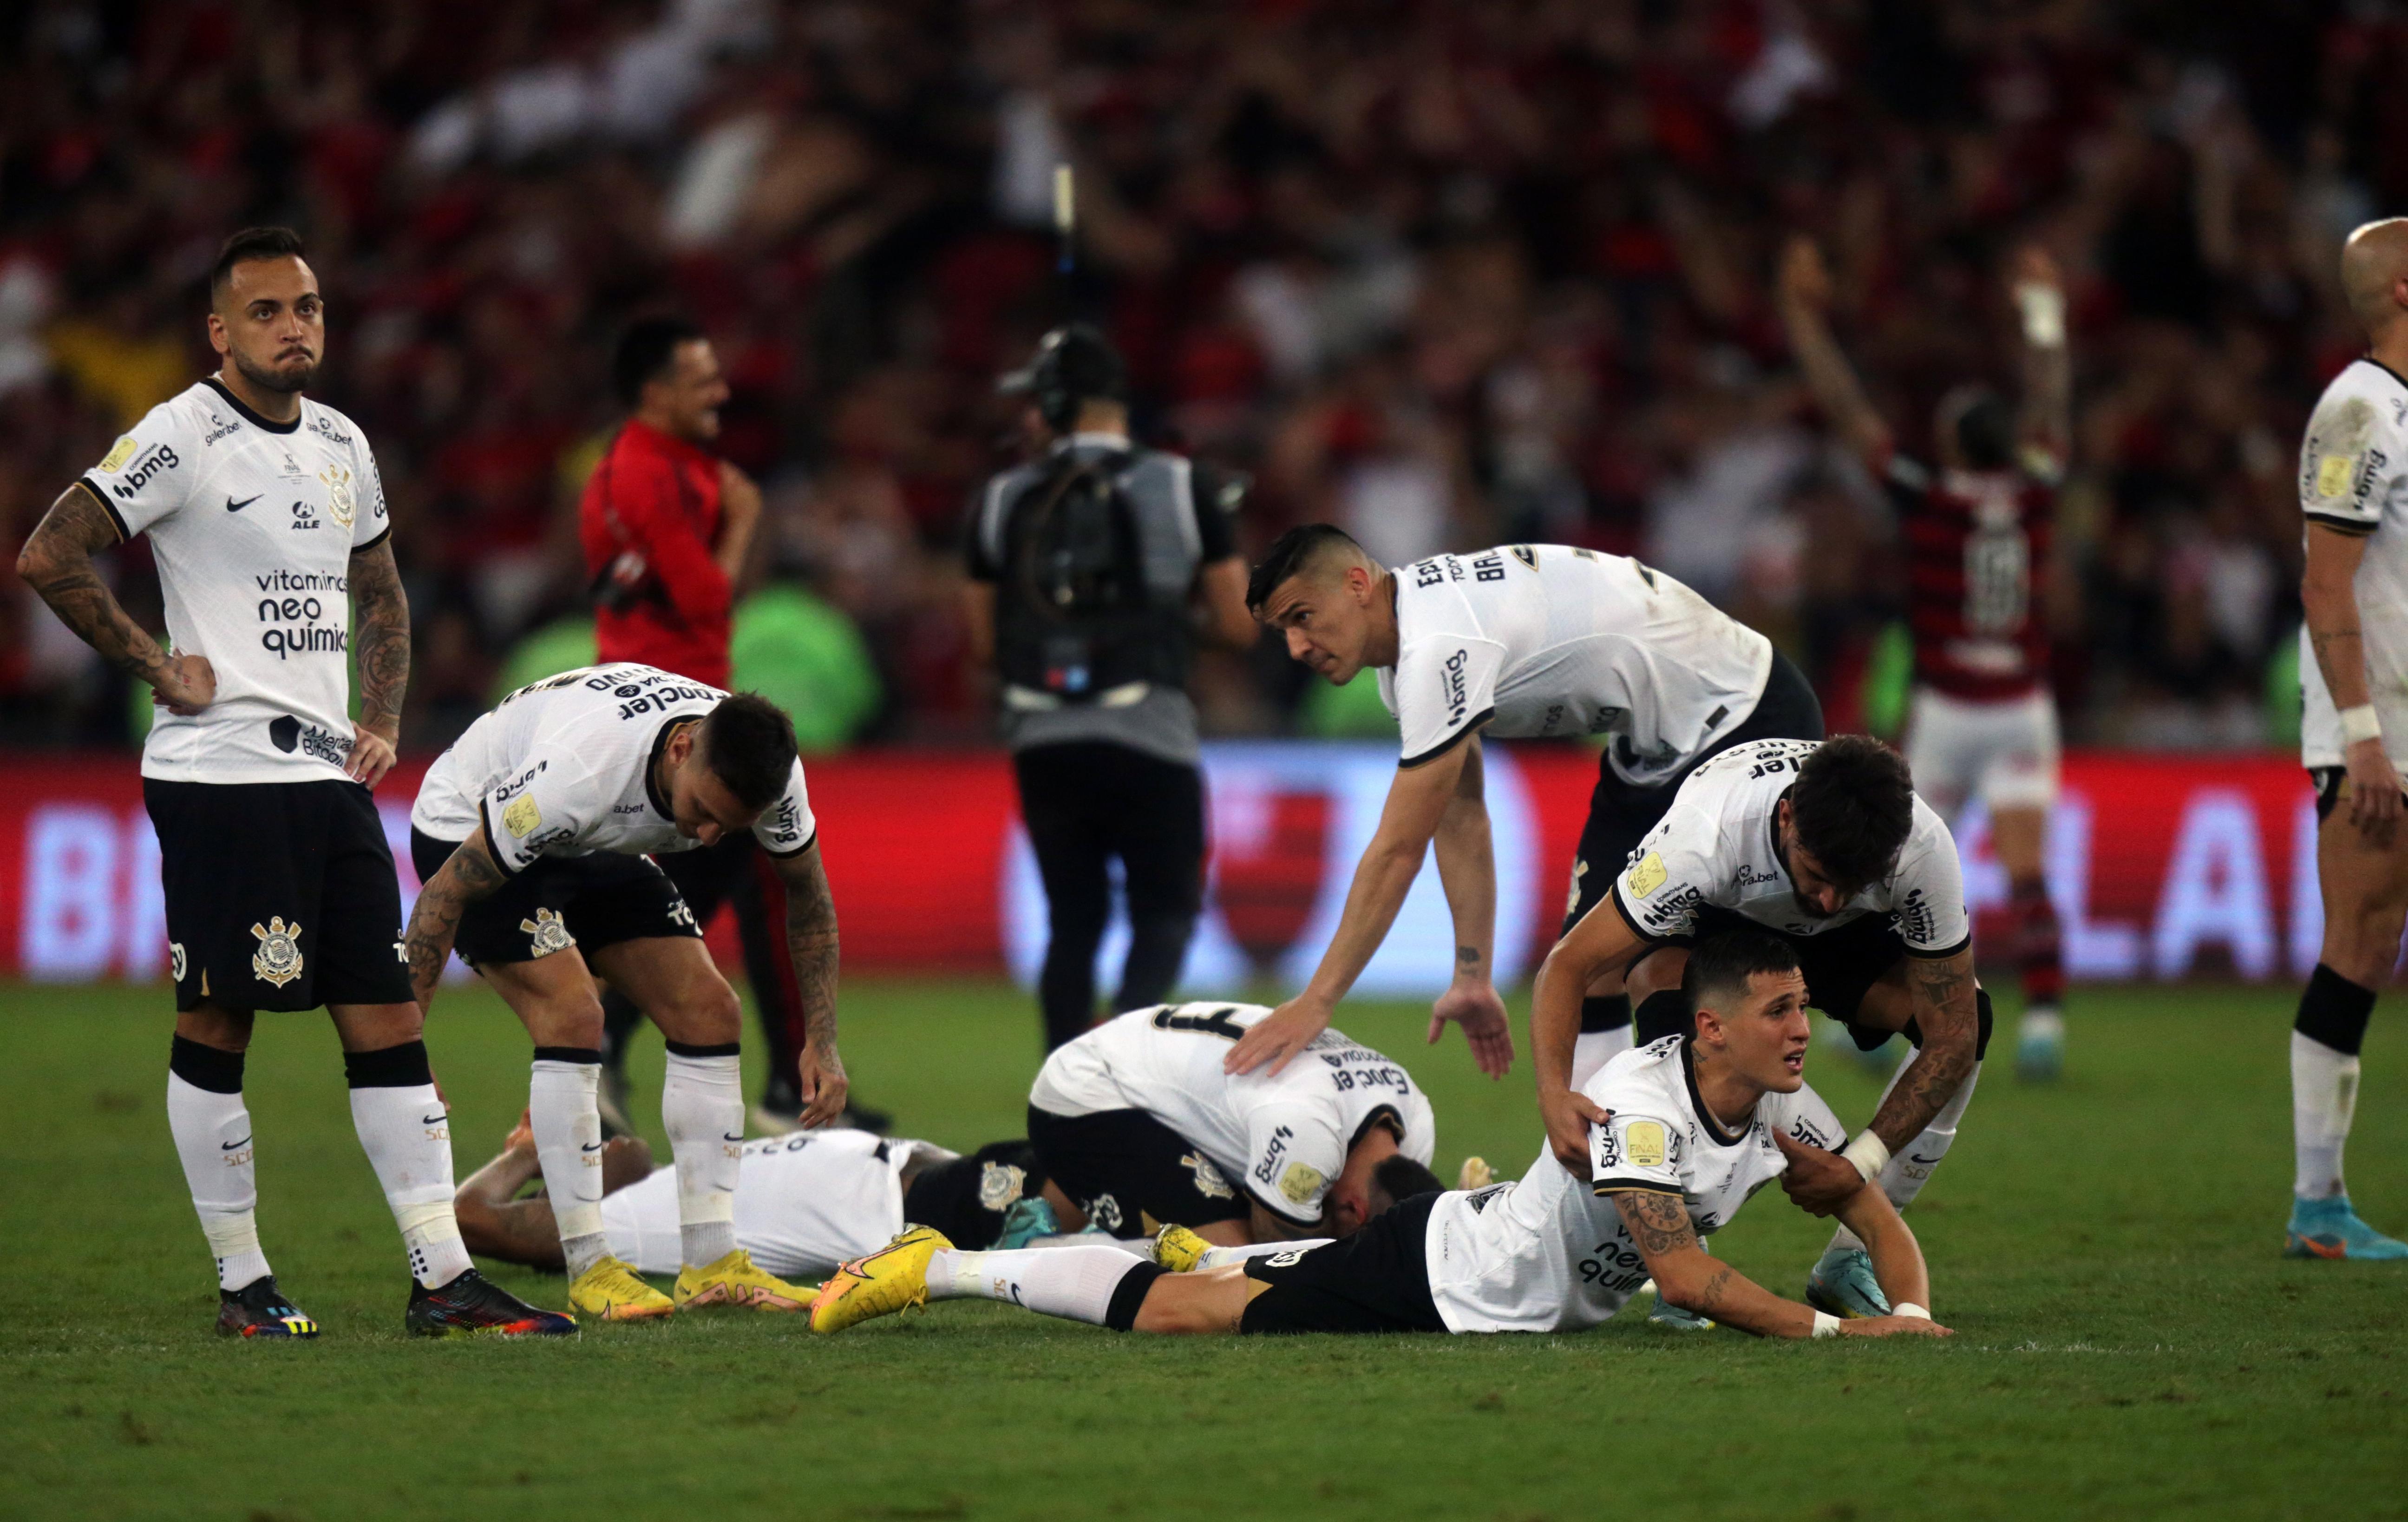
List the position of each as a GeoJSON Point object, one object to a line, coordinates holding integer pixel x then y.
{"type": "Point", "coordinates": [1281, 1139]}
{"type": "Point", "coordinates": [804, 1203]}
{"type": "Point", "coordinates": [2354, 477]}
{"type": "Point", "coordinates": [1716, 846]}
{"type": "Point", "coordinates": [253, 526]}
{"type": "Point", "coordinates": [563, 766]}
{"type": "Point", "coordinates": [1539, 639]}
{"type": "Point", "coordinates": [1550, 1253]}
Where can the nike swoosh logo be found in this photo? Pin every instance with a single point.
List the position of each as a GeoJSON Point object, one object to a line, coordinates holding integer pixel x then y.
{"type": "Point", "coordinates": [232, 505]}
{"type": "Point", "coordinates": [733, 1139]}
{"type": "Point", "coordinates": [591, 1146]}
{"type": "Point", "coordinates": [1927, 1162]}
{"type": "Point", "coordinates": [433, 1120]}
{"type": "Point", "coordinates": [229, 1146]}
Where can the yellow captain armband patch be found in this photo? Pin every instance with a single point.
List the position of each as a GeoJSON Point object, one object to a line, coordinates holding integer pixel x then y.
{"type": "Point", "coordinates": [522, 817]}
{"type": "Point", "coordinates": [1645, 1142]}
{"type": "Point", "coordinates": [122, 451]}
{"type": "Point", "coordinates": [1300, 1181]}
{"type": "Point", "coordinates": [1648, 875]}
{"type": "Point", "coordinates": [2333, 475]}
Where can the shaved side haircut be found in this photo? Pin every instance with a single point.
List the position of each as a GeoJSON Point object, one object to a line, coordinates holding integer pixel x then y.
{"type": "Point", "coordinates": [2373, 262]}
{"type": "Point", "coordinates": [1722, 966]}
{"type": "Point", "coordinates": [1300, 550]}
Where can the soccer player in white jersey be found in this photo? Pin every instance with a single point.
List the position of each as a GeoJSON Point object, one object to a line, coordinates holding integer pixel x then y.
{"type": "Point", "coordinates": [534, 834]}
{"type": "Point", "coordinates": [269, 525]}
{"type": "Point", "coordinates": [805, 1202]}
{"type": "Point", "coordinates": [1828, 846]}
{"type": "Point", "coordinates": [1520, 641]}
{"type": "Point", "coordinates": [1136, 1125]}
{"type": "Point", "coordinates": [2353, 730]}
{"type": "Point", "coordinates": [1699, 1124]}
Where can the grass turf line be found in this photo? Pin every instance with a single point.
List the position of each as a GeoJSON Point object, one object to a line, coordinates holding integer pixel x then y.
{"type": "Point", "coordinates": [2129, 1342]}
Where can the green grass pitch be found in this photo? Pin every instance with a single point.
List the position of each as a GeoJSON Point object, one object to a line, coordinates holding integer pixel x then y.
{"type": "Point", "coordinates": [2128, 1344]}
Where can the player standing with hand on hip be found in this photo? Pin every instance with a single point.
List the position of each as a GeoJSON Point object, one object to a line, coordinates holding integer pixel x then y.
{"type": "Point", "coordinates": [268, 521]}
{"type": "Point", "coordinates": [1977, 536]}
{"type": "Point", "coordinates": [2353, 730]}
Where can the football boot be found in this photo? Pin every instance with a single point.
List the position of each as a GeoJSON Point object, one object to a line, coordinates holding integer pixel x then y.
{"type": "Point", "coordinates": [889, 1280]}
{"type": "Point", "coordinates": [473, 1305]}
{"type": "Point", "coordinates": [610, 1291]}
{"type": "Point", "coordinates": [2329, 1228]}
{"type": "Point", "coordinates": [1179, 1250]}
{"type": "Point", "coordinates": [1666, 1313]}
{"type": "Point", "coordinates": [1842, 1284]}
{"type": "Point", "coordinates": [1024, 1220]}
{"type": "Point", "coordinates": [734, 1283]}
{"type": "Point", "coordinates": [259, 1309]}
{"type": "Point", "coordinates": [2040, 1046]}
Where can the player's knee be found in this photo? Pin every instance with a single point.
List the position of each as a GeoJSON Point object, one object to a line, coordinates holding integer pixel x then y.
{"type": "Point", "coordinates": [710, 1015]}
{"type": "Point", "coordinates": [2363, 946]}
{"type": "Point", "coordinates": [1192, 1305]}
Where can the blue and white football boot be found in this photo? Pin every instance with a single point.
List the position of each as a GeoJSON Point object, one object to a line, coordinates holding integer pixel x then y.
{"type": "Point", "coordinates": [2329, 1228]}
{"type": "Point", "coordinates": [1842, 1284]}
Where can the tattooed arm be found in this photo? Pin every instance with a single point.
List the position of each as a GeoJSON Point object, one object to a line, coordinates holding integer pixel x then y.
{"type": "Point", "coordinates": [469, 875]}
{"type": "Point", "coordinates": [1467, 870]}
{"type": "Point", "coordinates": [810, 939]}
{"type": "Point", "coordinates": [1941, 989]}
{"type": "Point", "coordinates": [381, 639]}
{"type": "Point", "coordinates": [1685, 1276]}
{"type": "Point", "coordinates": [56, 563]}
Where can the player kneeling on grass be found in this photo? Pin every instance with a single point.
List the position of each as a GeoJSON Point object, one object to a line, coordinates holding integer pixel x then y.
{"type": "Point", "coordinates": [1139, 1125]}
{"type": "Point", "coordinates": [805, 1202]}
{"type": "Point", "coordinates": [533, 833]}
{"type": "Point", "coordinates": [1697, 1126]}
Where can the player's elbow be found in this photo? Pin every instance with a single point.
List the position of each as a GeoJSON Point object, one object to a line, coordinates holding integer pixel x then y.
{"type": "Point", "coordinates": [1681, 1283]}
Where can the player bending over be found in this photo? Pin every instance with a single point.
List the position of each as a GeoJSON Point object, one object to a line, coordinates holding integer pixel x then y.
{"type": "Point", "coordinates": [805, 1202]}
{"type": "Point", "coordinates": [1827, 846]}
{"type": "Point", "coordinates": [1977, 534]}
{"type": "Point", "coordinates": [1698, 1125]}
{"type": "Point", "coordinates": [1136, 1125]}
{"type": "Point", "coordinates": [2353, 730]}
{"type": "Point", "coordinates": [532, 834]}
{"type": "Point", "coordinates": [1521, 640]}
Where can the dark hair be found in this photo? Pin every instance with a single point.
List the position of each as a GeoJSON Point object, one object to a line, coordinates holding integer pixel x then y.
{"type": "Point", "coordinates": [1985, 428]}
{"type": "Point", "coordinates": [1853, 804]}
{"type": "Point", "coordinates": [748, 743]}
{"type": "Point", "coordinates": [1073, 363]}
{"type": "Point", "coordinates": [1292, 554]}
{"type": "Point", "coordinates": [1400, 1178]}
{"type": "Point", "coordinates": [249, 244]}
{"type": "Point", "coordinates": [645, 349]}
{"type": "Point", "coordinates": [1720, 966]}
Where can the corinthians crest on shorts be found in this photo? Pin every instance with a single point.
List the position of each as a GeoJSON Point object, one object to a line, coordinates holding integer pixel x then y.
{"type": "Point", "coordinates": [1209, 1180]}
{"type": "Point", "coordinates": [547, 933]}
{"type": "Point", "coordinates": [279, 957]}
{"type": "Point", "coordinates": [1000, 1186]}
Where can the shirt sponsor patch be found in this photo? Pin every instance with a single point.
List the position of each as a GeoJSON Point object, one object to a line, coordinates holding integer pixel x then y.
{"type": "Point", "coordinates": [1648, 875]}
{"type": "Point", "coordinates": [522, 817]}
{"type": "Point", "coordinates": [1646, 1139]}
{"type": "Point", "coordinates": [122, 451]}
{"type": "Point", "coordinates": [1299, 1182]}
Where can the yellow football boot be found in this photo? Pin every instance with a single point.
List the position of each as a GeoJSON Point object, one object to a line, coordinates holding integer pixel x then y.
{"type": "Point", "coordinates": [1476, 1174]}
{"type": "Point", "coordinates": [610, 1291]}
{"type": "Point", "coordinates": [733, 1282]}
{"type": "Point", "coordinates": [1180, 1250]}
{"type": "Point", "coordinates": [889, 1280]}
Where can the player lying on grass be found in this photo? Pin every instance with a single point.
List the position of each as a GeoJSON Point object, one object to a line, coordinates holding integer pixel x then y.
{"type": "Point", "coordinates": [1828, 847]}
{"type": "Point", "coordinates": [533, 833]}
{"type": "Point", "coordinates": [1136, 1125]}
{"type": "Point", "coordinates": [1698, 1125]}
{"type": "Point", "coordinates": [804, 1202]}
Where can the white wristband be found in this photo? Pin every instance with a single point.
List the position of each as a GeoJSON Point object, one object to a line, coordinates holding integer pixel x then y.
{"type": "Point", "coordinates": [2043, 314]}
{"type": "Point", "coordinates": [2360, 723]}
{"type": "Point", "coordinates": [1911, 1310]}
{"type": "Point", "coordinates": [1826, 1324]}
{"type": "Point", "coordinates": [1867, 1153]}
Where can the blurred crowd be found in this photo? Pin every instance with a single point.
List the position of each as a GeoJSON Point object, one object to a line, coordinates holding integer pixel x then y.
{"type": "Point", "coordinates": [1446, 274]}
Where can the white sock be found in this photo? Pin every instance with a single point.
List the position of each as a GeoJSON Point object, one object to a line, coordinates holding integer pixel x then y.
{"type": "Point", "coordinates": [1221, 1258]}
{"type": "Point", "coordinates": [1073, 1283]}
{"type": "Point", "coordinates": [567, 1129]}
{"type": "Point", "coordinates": [408, 1137]}
{"type": "Point", "coordinates": [212, 1132]}
{"type": "Point", "coordinates": [1910, 1167]}
{"type": "Point", "coordinates": [2324, 1098]}
{"type": "Point", "coordinates": [1594, 1049]}
{"type": "Point", "coordinates": [1135, 1246]}
{"type": "Point", "coordinates": [702, 1108]}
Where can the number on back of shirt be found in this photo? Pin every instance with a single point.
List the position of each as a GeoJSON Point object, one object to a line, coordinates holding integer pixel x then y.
{"type": "Point", "coordinates": [1997, 581]}
{"type": "Point", "coordinates": [1215, 1024]}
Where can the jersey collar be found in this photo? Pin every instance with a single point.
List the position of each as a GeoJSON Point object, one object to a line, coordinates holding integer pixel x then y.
{"type": "Point", "coordinates": [1706, 1121]}
{"type": "Point", "coordinates": [2386, 369]}
{"type": "Point", "coordinates": [246, 413]}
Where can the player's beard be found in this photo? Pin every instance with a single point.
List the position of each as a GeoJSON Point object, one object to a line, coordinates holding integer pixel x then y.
{"type": "Point", "coordinates": [285, 380]}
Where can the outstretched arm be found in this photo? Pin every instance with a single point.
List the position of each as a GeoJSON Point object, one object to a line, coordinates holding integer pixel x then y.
{"type": "Point", "coordinates": [56, 562]}
{"type": "Point", "coordinates": [1942, 990]}
{"type": "Point", "coordinates": [496, 1224]}
{"type": "Point", "coordinates": [1805, 300]}
{"type": "Point", "coordinates": [1898, 1258]}
{"type": "Point", "coordinates": [381, 639]}
{"type": "Point", "coordinates": [810, 940]}
{"type": "Point", "coordinates": [469, 874]}
{"type": "Point", "coordinates": [1467, 866]}
{"type": "Point", "coordinates": [1417, 799]}
{"type": "Point", "coordinates": [1687, 1277]}
{"type": "Point", "coordinates": [1600, 943]}
{"type": "Point", "coordinates": [2046, 424]}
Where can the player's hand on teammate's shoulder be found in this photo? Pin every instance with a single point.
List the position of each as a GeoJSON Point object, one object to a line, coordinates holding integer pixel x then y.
{"type": "Point", "coordinates": [823, 1083]}
{"type": "Point", "coordinates": [2374, 802]}
{"type": "Point", "coordinates": [1816, 1181]}
{"type": "Point", "coordinates": [189, 685]}
{"type": "Point", "coordinates": [1569, 1114]}
{"type": "Point", "coordinates": [371, 757]}
{"type": "Point", "coordinates": [1278, 1036]}
{"type": "Point", "coordinates": [1894, 1326]}
{"type": "Point", "coordinates": [1479, 1010]}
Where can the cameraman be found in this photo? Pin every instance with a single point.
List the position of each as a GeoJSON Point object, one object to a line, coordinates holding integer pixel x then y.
{"type": "Point", "coordinates": [1094, 570]}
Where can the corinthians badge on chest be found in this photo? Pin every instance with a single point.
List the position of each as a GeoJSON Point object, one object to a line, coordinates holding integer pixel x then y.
{"type": "Point", "coordinates": [279, 957]}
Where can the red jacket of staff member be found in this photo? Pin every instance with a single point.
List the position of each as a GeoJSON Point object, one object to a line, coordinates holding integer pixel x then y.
{"type": "Point", "coordinates": [665, 523]}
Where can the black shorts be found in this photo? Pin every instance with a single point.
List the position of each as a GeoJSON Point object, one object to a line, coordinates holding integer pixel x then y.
{"type": "Point", "coordinates": [562, 901]}
{"type": "Point", "coordinates": [968, 1197]}
{"type": "Point", "coordinates": [1124, 1169]}
{"type": "Point", "coordinates": [1375, 1281]}
{"type": "Point", "coordinates": [2327, 780]}
{"type": "Point", "coordinates": [281, 895]}
{"type": "Point", "coordinates": [1620, 814]}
